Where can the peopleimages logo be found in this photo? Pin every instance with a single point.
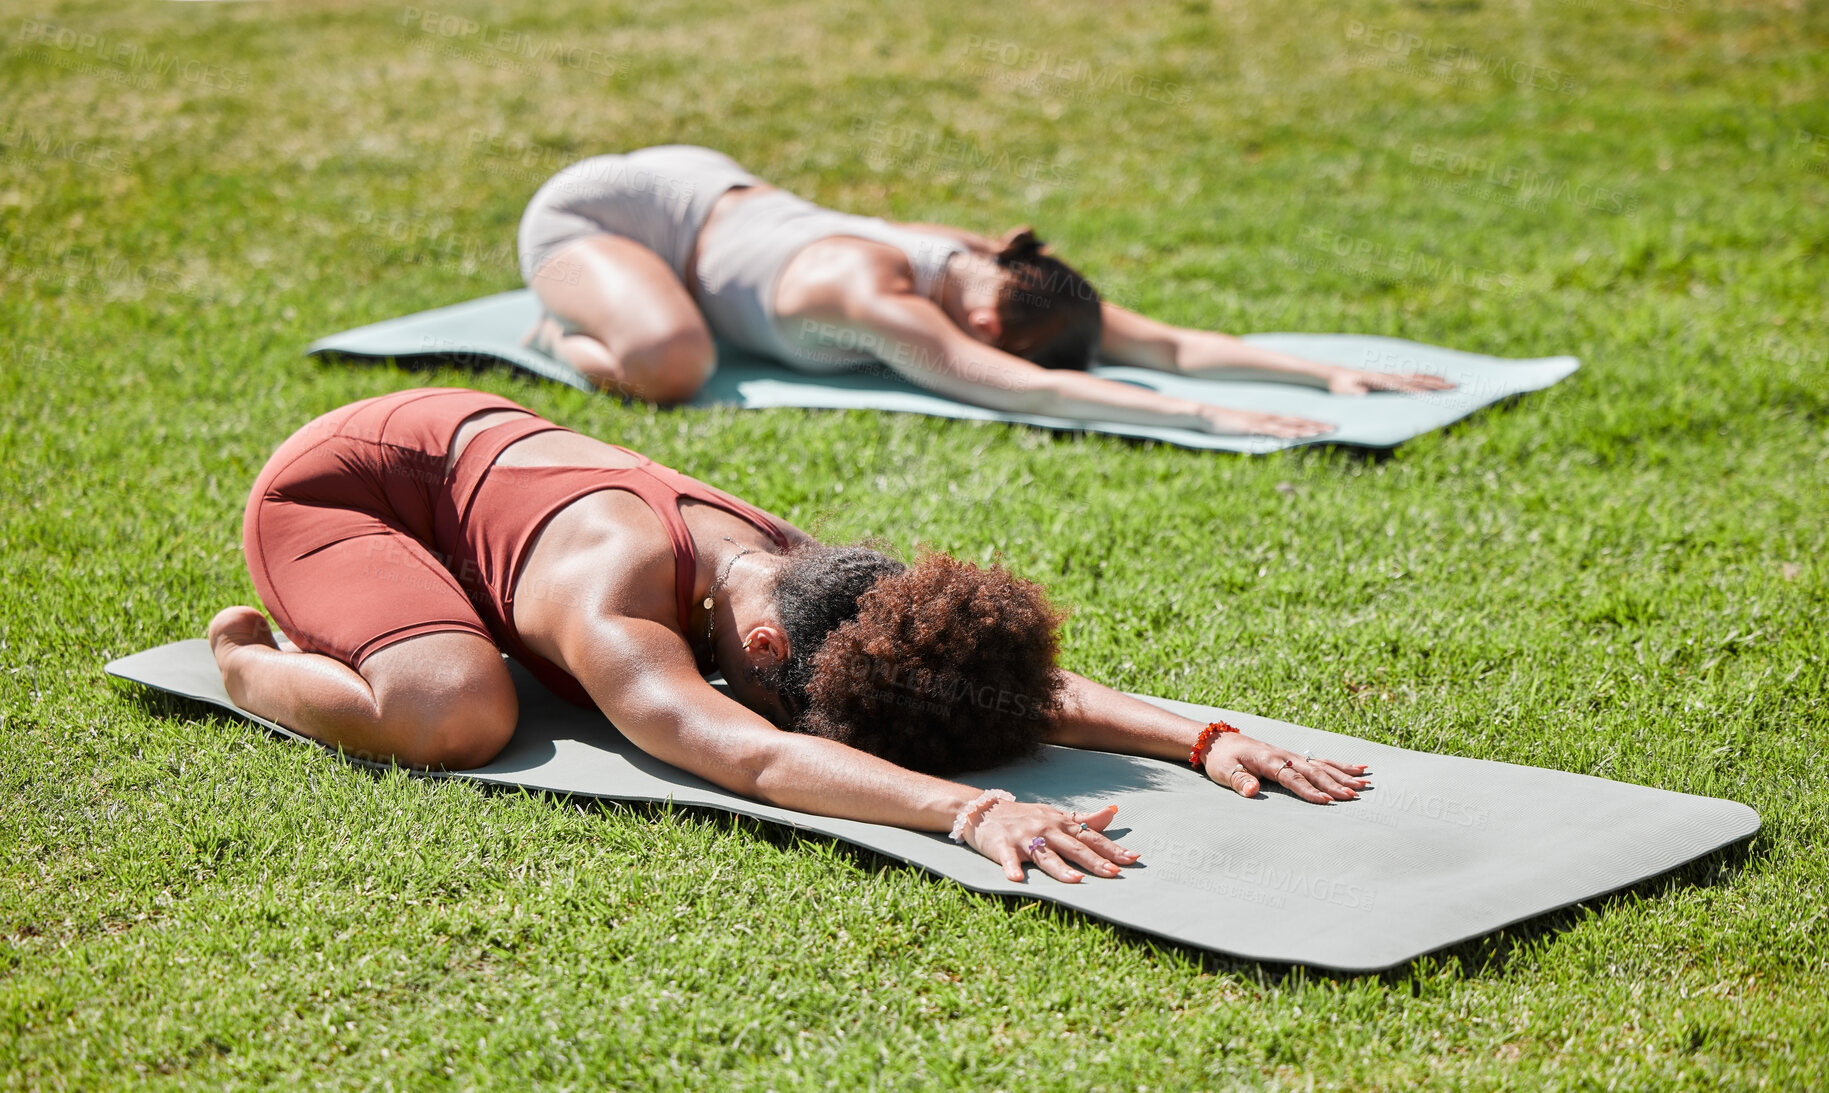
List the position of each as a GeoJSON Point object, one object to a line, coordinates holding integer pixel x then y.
{"type": "Point", "coordinates": [20, 140]}
{"type": "Point", "coordinates": [1408, 47]}
{"type": "Point", "coordinates": [915, 149]}
{"type": "Point", "coordinates": [496, 46]}
{"type": "Point", "coordinates": [1212, 869]}
{"type": "Point", "coordinates": [1529, 186]}
{"type": "Point", "coordinates": [67, 47]}
{"type": "Point", "coordinates": [1357, 253]}
{"type": "Point", "coordinates": [1428, 806]}
{"type": "Point", "coordinates": [941, 692]}
{"type": "Point", "coordinates": [1051, 72]}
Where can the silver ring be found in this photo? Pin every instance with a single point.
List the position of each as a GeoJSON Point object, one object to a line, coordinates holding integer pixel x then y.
{"type": "Point", "coordinates": [1307, 756]}
{"type": "Point", "coordinates": [1037, 845]}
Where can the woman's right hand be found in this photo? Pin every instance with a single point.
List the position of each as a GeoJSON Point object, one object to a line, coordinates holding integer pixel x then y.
{"type": "Point", "coordinates": [1354, 381]}
{"type": "Point", "coordinates": [1007, 830]}
{"type": "Point", "coordinates": [1244, 764]}
{"type": "Point", "coordinates": [1218, 419]}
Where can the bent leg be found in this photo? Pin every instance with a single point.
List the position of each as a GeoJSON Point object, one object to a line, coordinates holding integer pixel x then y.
{"type": "Point", "coordinates": [391, 660]}
{"type": "Point", "coordinates": [633, 327]}
{"type": "Point", "coordinates": [435, 700]}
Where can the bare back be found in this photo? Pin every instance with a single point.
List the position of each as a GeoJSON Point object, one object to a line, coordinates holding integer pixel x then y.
{"type": "Point", "coordinates": [607, 553]}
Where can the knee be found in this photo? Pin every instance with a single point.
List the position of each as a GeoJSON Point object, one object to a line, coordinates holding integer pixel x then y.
{"type": "Point", "coordinates": [671, 368]}
{"type": "Point", "coordinates": [462, 734]}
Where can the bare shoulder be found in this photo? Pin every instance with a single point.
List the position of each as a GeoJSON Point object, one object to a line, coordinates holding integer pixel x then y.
{"type": "Point", "coordinates": [606, 556]}
{"type": "Point", "coordinates": [973, 240]}
{"type": "Point", "coordinates": [830, 275]}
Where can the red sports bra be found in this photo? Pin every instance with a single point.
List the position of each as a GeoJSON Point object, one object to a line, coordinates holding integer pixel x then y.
{"type": "Point", "coordinates": [490, 515]}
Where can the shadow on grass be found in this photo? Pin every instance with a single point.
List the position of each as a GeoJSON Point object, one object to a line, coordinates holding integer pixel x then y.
{"type": "Point", "coordinates": [474, 363]}
{"type": "Point", "coordinates": [165, 704]}
{"type": "Point", "coordinates": [471, 362]}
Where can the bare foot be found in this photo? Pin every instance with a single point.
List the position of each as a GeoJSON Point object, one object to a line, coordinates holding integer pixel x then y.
{"type": "Point", "coordinates": [235, 627]}
{"type": "Point", "coordinates": [235, 630]}
{"type": "Point", "coordinates": [545, 337]}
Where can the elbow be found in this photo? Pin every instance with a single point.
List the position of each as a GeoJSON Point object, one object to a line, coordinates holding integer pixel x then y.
{"type": "Point", "coordinates": [746, 767]}
{"type": "Point", "coordinates": [1037, 395]}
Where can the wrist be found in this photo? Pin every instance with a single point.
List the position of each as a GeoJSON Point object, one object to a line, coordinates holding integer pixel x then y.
{"type": "Point", "coordinates": [1214, 419]}
{"type": "Point", "coordinates": [1203, 744]}
{"type": "Point", "coordinates": [972, 812]}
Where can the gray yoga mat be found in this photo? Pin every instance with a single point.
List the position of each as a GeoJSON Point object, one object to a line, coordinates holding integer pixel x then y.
{"type": "Point", "coordinates": [490, 329]}
{"type": "Point", "coordinates": [1441, 850]}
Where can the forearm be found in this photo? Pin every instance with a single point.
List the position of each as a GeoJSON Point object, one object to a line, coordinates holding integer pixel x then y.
{"type": "Point", "coordinates": [1081, 397]}
{"type": "Point", "coordinates": [1137, 340]}
{"type": "Point", "coordinates": [810, 774]}
{"type": "Point", "coordinates": [1095, 716]}
{"type": "Point", "coordinates": [1018, 387]}
{"type": "Point", "coordinates": [918, 341]}
{"type": "Point", "coordinates": [1222, 356]}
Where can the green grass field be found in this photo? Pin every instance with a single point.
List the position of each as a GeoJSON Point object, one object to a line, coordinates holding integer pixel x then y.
{"type": "Point", "coordinates": [1621, 576]}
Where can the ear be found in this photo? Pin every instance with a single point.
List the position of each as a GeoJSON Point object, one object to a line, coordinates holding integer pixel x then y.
{"type": "Point", "coordinates": [984, 324]}
{"type": "Point", "coordinates": [766, 643]}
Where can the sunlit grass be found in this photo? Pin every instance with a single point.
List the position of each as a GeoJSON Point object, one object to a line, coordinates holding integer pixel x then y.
{"type": "Point", "coordinates": [1621, 576]}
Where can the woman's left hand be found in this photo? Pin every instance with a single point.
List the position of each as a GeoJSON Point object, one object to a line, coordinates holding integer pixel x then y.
{"type": "Point", "coordinates": [1244, 764]}
{"type": "Point", "coordinates": [1352, 381]}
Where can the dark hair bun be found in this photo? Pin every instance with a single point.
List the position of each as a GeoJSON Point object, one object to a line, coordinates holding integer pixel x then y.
{"type": "Point", "coordinates": [1050, 314]}
{"type": "Point", "coordinates": [1020, 245]}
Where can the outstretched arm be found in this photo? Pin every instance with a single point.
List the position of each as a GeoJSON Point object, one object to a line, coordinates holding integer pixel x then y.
{"type": "Point", "coordinates": [917, 339]}
{"type": "Point", "coordinates": [1130, 338]}
{"type": "Point", "coordinates": [642, 676]}
{"type": "Point", "coordinates": [1093, 715]}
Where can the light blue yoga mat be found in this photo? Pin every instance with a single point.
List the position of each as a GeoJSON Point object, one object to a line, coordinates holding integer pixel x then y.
{"type": "Point", "coordinates": [1441, 850]}
{"type": "Point", "coordinates": [490, 329]}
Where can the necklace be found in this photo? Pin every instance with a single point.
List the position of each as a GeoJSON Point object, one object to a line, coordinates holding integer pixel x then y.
{"type": "Point", "coordinates": [711, 616]}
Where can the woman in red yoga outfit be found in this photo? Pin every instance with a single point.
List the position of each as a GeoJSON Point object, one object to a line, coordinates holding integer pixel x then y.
{"type": "Point", "coordinates": [405, 542]}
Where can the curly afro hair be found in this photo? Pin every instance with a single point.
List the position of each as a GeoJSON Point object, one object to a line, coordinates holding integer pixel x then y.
{"type": "Point", "coordinates": [940, 668]}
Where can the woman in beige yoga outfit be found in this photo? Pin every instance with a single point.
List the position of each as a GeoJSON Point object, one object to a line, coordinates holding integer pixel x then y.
{"type": "Point", "coordinates": [640, 259]}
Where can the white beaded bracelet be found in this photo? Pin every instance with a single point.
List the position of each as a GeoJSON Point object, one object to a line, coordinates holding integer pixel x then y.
{"type": "Point", "coordinates": [980, 803]}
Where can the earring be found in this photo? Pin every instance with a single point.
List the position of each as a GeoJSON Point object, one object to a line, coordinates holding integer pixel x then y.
{"type": "Point", "coordinates": [746, 642]}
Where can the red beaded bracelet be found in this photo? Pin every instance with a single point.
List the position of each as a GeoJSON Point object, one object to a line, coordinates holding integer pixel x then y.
{"type": "Point", "coordinates": [1207, 734]}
